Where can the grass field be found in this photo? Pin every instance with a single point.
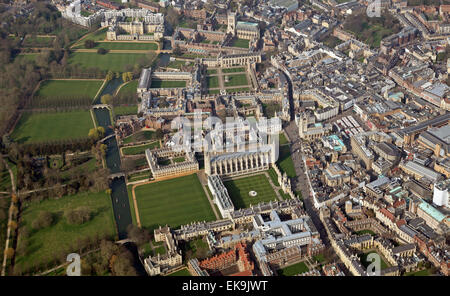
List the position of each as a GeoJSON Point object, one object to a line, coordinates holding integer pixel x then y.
{"type": "Point", "coordinates": [236, 80]}
{"type": "Point", "coordinates": [99, 35]}
{"type": "Point", "coordinates": [237, 90]}
{"type": "Point", "coordinates": [139, 136]}
{"type": "Point", "coordinates": [283, 140]}
{"type": "Point", "coordinates": [212, 81]}
{"type": "Point", "coordinates": [239, 191]}
{"type": "Point", "coordinates": [295, 269]}
{"type": "Point", "coordinates": [109, 61]}
{"type": "Point", "coordinates": [125, 110]}
{"type": "Point", "coordinates": [182, 272]}
{"type": "Point", "coordinates": [233, 70]}
{"type": "Point", "coordinates": [242, 43]}
{"type": "Point", "coordinates": [174, 202]}
{"type": "Point", "coordinates": [139, 149]}
{"type": "Point", "coordinates": [365, 231]}
{"type": "Point", "coordinates": [124, 46]}
{"type": "Point", "coordinates": [423, 272]}
{"type": "Point", "coordinates": [69, 88]}
{"type": "Point", "coordinates": [211, 71]}
{"type": "Point", "coordinates": [129, 89]}
{"type": "Point", "coordinates": [167, 83]}
{"type": "Point", "coordinates": [285, 161]}
{"type": "Point", "coordinates": [48, 126]}
{"type": "Point", "coordinates": [60, 237]}
{"type": "Point", "coordinates": [178, 64]}
{"type": "Point", "coordinates": [38, 41]}
{"type": "Point", "coordinates": [213, 91]}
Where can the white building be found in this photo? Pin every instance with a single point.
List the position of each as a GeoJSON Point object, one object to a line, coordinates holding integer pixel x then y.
{"type": "Point", "coordinates": [440, 194]}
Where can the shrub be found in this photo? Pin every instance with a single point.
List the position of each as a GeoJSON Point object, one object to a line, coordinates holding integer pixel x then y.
{"type": "Point", "coordinates": [101, 50]}
{"type": "Point", "coordinates": [78, 216]}
{"type": "Point", "coordinates": [44, 219]}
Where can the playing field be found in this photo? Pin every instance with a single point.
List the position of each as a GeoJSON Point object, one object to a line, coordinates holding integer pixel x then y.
{"type": "Point", "coordinates": [60, 238]}
{"type": "Point", "coordinates": [48, 126]}
{"type": "Point", "coordinates": [69, 88]}
{"type": "Point", "coordinates": [167, 83]}
{"type": "Point", "coordinates": [239, 191]}
{"type": "Point", "coordinates": [237, 79]}
{"type": "Point", "coordinates": [109, 61]}
{"type": "Point", "coordinates": [174, 202]}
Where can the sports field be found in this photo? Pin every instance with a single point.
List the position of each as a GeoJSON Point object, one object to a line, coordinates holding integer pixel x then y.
{"type": "Point", "coordinates": [48, 126]}
{"type": "Point", "coordinates": [239, 191]}
{"type": "Point", "coordinates": [60, 238]}
{"type": "Point", "coordinates": [69, 88]}
{"type": "Point", "coordinates": [167, 83]}
{"type": "Point", "coordinates": [174, 202]}
{"type": "Point", "coordinates": [237, 79]}
{"type": "Point", "coordinates": [109, 61]}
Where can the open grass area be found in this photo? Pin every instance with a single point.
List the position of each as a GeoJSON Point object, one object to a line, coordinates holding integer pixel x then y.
{"type": "Point", "coordinates": [120, 45]}
{"type": "Point", "coordinates": [237, 90]}
{"type": "Point", "coordinates": [125, 110]}
{"type": "Point", "coordinates": [182, 272]}
{"type": "Point", "coordinates": [140, 149]}
{"type": "Point", "coordinates": [423, 272]}
{"type": "Point", "coordinates": [139, 136]}
{"type": "Point", "coordinates": [167, 83]}
{"type": "Point", "coordinates": [139, 176]}
{"type": "Point", "coordinates": [212, 81]}
{"type": "Point", "coordinates": [60, 237]}
{"type": "Point", "coordinates": [69, 88]}
{"type": "Point", "coordinates": [233, 70]}
{"type": "Point", "coordinates": [273, 175]}
{"type": "Point", "coordinates": [211, 71]}
{"type": "Point", "coordinates": [109, 61]}
{"type": "Point", "coordinates": [41, 41]}
{"type": "Point", "coordinates": [283, 140]}
{"type": "Point", "coordinates": [320, 258]}
{"type": "Point", "coordinates": [365, 231]}
{"type": "Point", "coordinates": [242, 43]}
{"type": "Point", "coordinates": [48, 126]}
{"type": "Point", "coordinates": [99, 35]}
{"type": "Point", "coordinates": [285, 162]}
{"type": "Point", "coordinates": [213, 91]}
{"type": "Point", "coordinates": [294, 269]}
{"type": "Point", "coordinates": [239, 191]}
{"type": "Point", "coordinates": [129, 89]}
{"type": "Point", "coordinates": [174, 202]}
{"type": "Point", "coordinates": [365, 262]}
{"type": "Point", "coordinates": [236, 80]}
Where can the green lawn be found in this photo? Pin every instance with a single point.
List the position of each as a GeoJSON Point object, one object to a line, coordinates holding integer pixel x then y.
{"type": "Point", "coordinates": [273, 175]}
{"type": "Point", "coordinates": [48, 126]}
{"type": "Point", "coordinates": [125, 110]}
{"type": "Point", "coordinates": [38, 42]}
{"type": "Point", "coordinates": [237, 90]}
{"type": "Point", "coordinates": [211, 71]}
{"type": "Point", "coordinates": [174, 202]}
{"type": "Point", "coordinates": [295, 269]}
{"type": "Point", "coordinates": [60, 238]}
{"type": "Point", "coordinates": [139, 149]}
{"type": "Point", "coordinates": [365, 262]}
{"type": "Point", "coordinates": [182, 272]}
{"type": "Point", "coordinates": [109, 61]}
{"type": "Point", "coordinates": [423, 272]}
{"type": "Point", "coordinates": [99, 35]}
{"type": "Point", "coordinates": [365, 231]}
{"type": "Point", "coordinates": [212, 81]}
{"type": "Point", "coordinates": [233, 70]}
{"type": "Point", "coordinates": [236, 80]}
{"type": "Point", "coordinates": [69, 88]}
{"type": "Point", "coordinates": [283, 140]}
{"type": "Point", "coordinates": [167, 83]}
{"type": "Point", "coordinates": [239, 191]}
{"type": "Point", "coordinates": [242, 43]}
{"type": "Point", "coordinates": [139, 176]}
{"type": "Point", "coordinates": [285, 162]}
{"type": "Point", "coordinates": [319, 257]}
{"type": "Point", "coordinates": [129, 89]}
{"type": "Point", "coordinates": [120, 45]}
{"type": "Point", "coordinates": [178, 64]}
{"type": "Point", "coordinates": [139, 136]}
{"type": "Point", "coordinates": [213, 91]}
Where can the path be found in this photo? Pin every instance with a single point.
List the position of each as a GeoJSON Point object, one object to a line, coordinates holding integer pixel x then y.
{"type": "Point", "coordinates": [8, 232]}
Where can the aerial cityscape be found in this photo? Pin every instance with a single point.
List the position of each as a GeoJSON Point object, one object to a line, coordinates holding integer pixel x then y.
{"type": "Point", "coordinates": [212, 138]}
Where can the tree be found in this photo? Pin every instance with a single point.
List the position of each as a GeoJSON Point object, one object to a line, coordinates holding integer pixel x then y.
{"type": "Point", "coordinates": [109, 75]}
{"type": "Point", "coordinates": [177, 51]}
{"type": "Point", "coordinates": [138, 235]}
{"type": "Point", "coordinates": [78, 216]}
{"type": "Point", "coordinates": [90, 43]}
{"type": "Point", "coordinates": [159, 134]}
{"type": "Point", "coordinates": [101, 50]}
{"type": "Point", "coordinates": [127, 76]}
{"type": "Point", "coordinates": [106, 99]}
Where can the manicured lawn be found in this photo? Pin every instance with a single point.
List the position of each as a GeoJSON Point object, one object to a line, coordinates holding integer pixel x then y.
{"type": "Point", "coordinates": [139, 176]}
{"type": "Point", "coordinates": [125, 110]}
{"type": "Point", "coordinates": [273, 175]}
{"type": "Point", "coordinates": [283, 140]}
{"type": "Point", "coordinates": [237, 90]}
{"type": "Point", "coordinates": [125, 46]}
{"type": "Point", "coordinates": [174, 202]}
{"type": "Point", "coordinates": [365, 262]}
{"type": "Point", "coordinates": [48, 126]}
{"type": "Point", "coordinates": [213, 91]}
{"type": "Point", "coordinates": [233, 70]}
{"type": "Point", "coordinates": [211, 71]}
{"type": "Point", "coordinates": [212, 81]}
{"type": "Point", "coordinates": [60, 238]}
{"type": "Point", "coordinates": [69, 88]}
{"type": "Point", "coordinates": [365, 231]}
{"type": "Point", "coordinates": [423, 272]}
{"type": "Point", "coordinates": [109, 61]}
{"type": "Point", "coordinates": [285, 162]}
{"type": "Point", "coordinates": [319, 258]}
{"type": "Point", "coordinates": [295, 269]}
{"type": "Point", "coordinates": [167, 83]}
{"type": "Point", "coordinates": [129, 89]}
{"type": "Point", "coordinates": [182, 272]}
{"type": "Point", "coordinates": [139, 149]}
{"type": "Point", "coordinates": [99, 35]}
{"type": "Point", "coordinates": [242, 43]}
{"type": "Point", "coordinates": [236, 80]}
{"type": "Point", "coordinates": [239, 191]}
{"type": "Point", "coordinates": [139, 136]}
